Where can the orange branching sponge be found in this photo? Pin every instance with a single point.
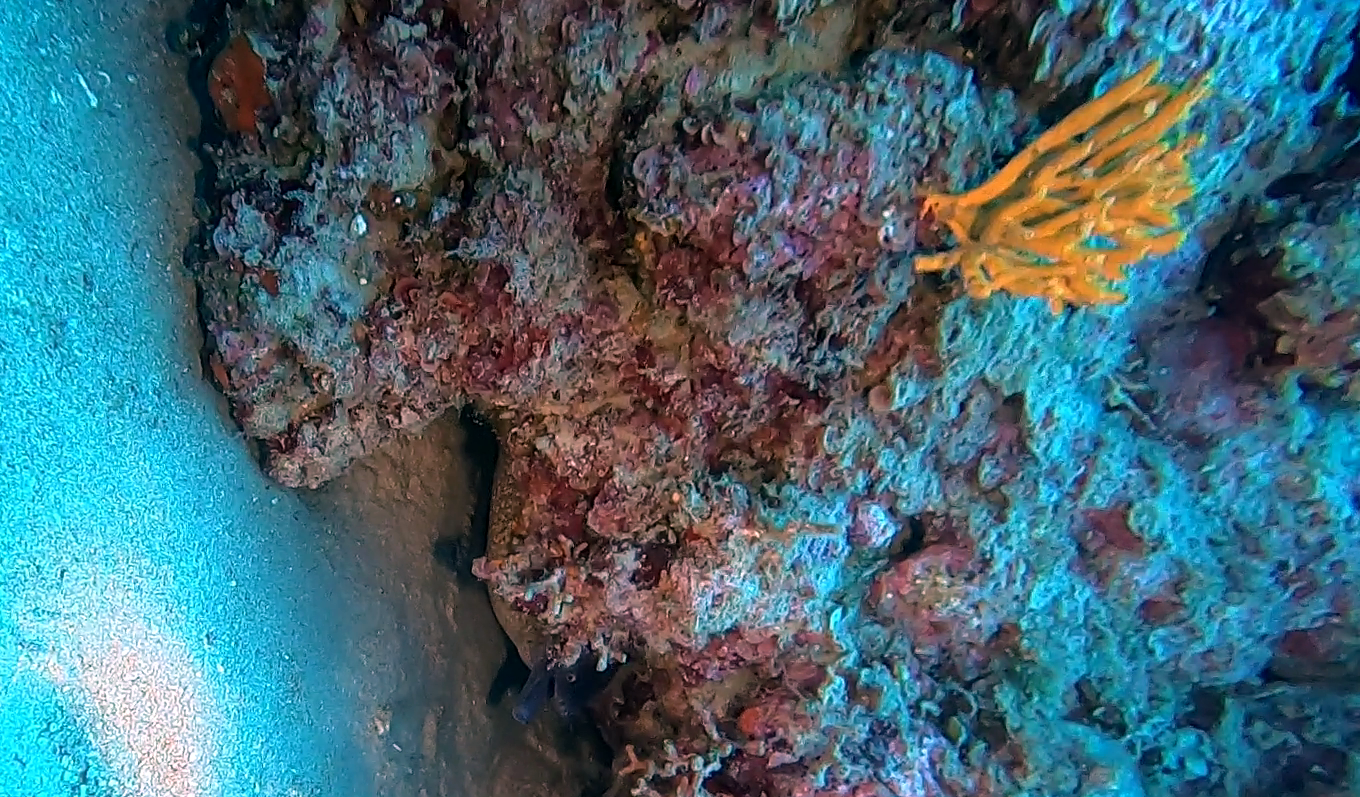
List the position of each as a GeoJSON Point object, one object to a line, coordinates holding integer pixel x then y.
{"type": "Point", "coordinates": [1091, 196]}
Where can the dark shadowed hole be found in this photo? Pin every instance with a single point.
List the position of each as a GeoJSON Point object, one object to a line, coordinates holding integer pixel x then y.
{"type": "Point", "coordinates": [1206, 709]}
{"type": "Point", "coordinates": [456, 553]}
{"type": "Point", "coordinates": [910, 541]}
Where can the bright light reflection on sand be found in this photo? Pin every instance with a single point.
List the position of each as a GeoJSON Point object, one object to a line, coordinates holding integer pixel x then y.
{"type": "Point", "coordinates": [143, 696]}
